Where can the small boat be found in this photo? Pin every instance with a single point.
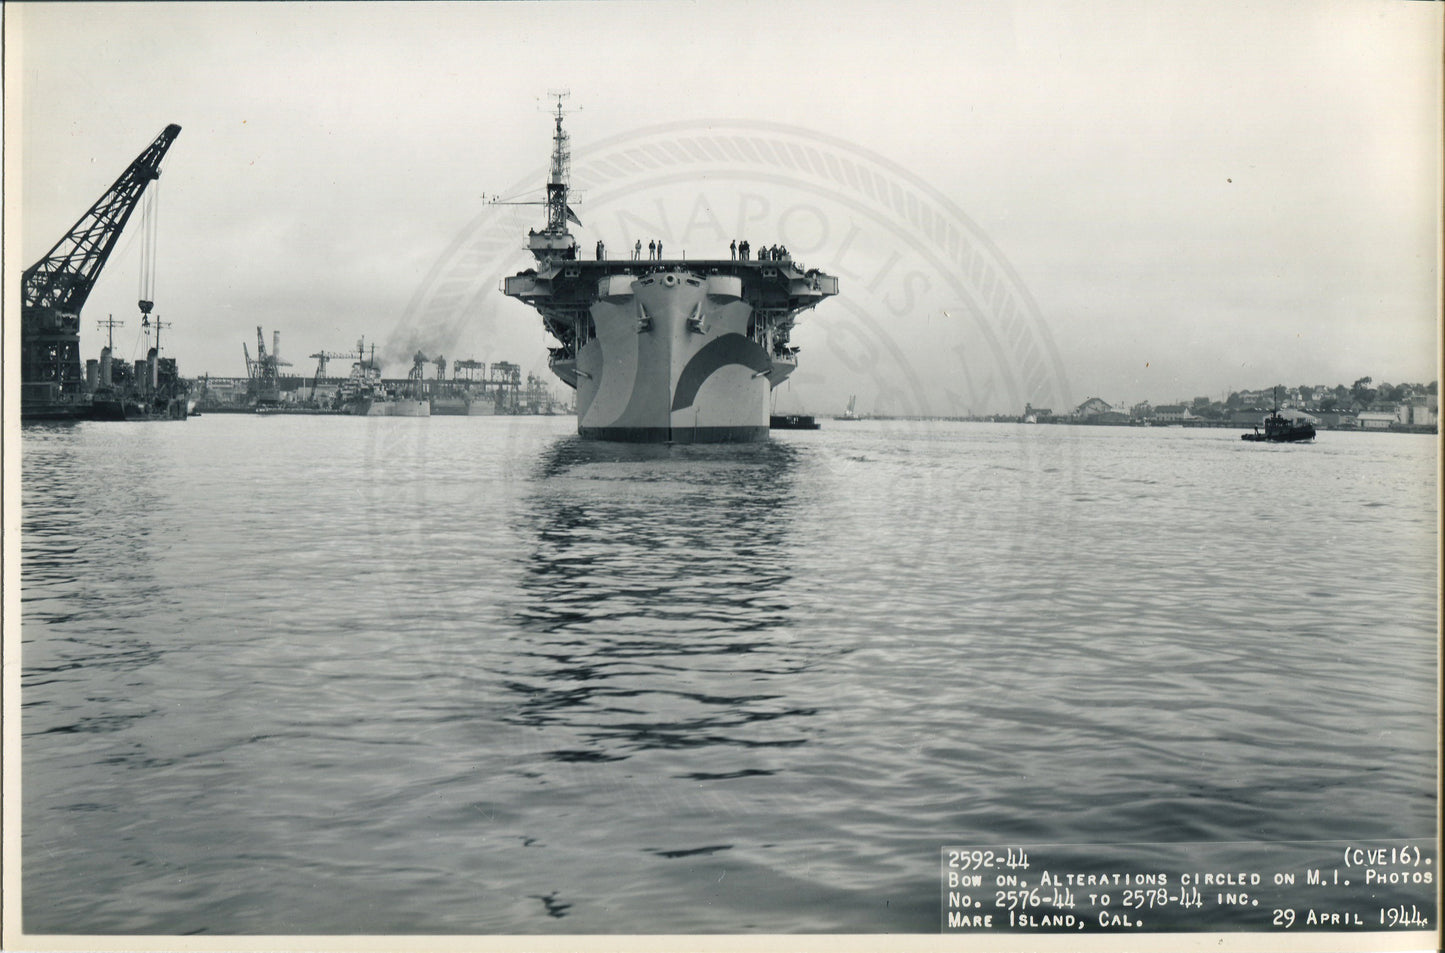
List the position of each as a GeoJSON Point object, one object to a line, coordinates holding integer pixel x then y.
{"type": "Point", "coordinates": [851, 413]}
{"type": "Point", "coordinates": [1279, 429]}
{"type": "Point", "coordinates": [793, 422]}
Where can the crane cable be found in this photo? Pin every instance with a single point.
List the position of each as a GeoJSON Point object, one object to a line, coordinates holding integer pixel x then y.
{"type": "Point", "coordinates": [150, 211]}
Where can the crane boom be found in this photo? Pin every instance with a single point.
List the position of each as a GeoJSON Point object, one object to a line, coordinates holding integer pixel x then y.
{"type": "Point", "coordinates": [64, 277]}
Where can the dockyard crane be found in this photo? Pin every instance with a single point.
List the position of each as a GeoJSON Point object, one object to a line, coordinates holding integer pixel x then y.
{"type": "Point", "coordinates": [321, 358]}
{"type": "Point", "coordinates": [469, 366]}
{"type": "Point", "coordinates": [55, 288]}
{"type": "Point", "coordinates": [273, 359]}
{"type": "Point", "coordinates": [414, 377]}
{"type": "Point", "coordinates": [264, 372]}
{"type": "Point", "coordinates": [506, 382]}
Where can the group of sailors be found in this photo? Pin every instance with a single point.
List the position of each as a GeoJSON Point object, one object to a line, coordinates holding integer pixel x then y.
{"type": "Point", "coordinates": [741, 250]}
{"type": "Point", "coordinates": [654, 250]}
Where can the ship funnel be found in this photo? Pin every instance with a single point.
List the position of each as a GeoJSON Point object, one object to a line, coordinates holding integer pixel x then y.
{"type": "Point", "coordinates": [92, 374]}
{"type": "Point", "coordinates": [276, 346]}
{"type": "Point", "coordinates": [105, 367]}
{"type": "Point", "coordinates": [152, 366]}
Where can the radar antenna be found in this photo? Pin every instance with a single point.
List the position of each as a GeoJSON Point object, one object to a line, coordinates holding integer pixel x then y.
{"type": "Point", "coordinates": [559, 180]}
{"type": "Point", "coordinates": [554, 243]}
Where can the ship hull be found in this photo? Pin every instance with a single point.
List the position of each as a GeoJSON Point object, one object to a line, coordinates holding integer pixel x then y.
{"type": "Point", "coordinates": [671, 361]}
{"type": "Point", "coordinates": [457, 407]}
{"type": "Point", "coordinates": [113, 406]}
{"type": "Point", "coordinates": [47, 401]}
{"type": "Point", "coordinates": [401, 407]}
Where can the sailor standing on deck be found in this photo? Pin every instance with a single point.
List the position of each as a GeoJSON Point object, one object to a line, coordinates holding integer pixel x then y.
{"type": "Point", "coordinates": [651, 250]}
{"type": "Point", "coordinates": [743, 249]}
{"type": "Point", "coordinates": [659, 249]}
{"type": "Point", "coordinates": [599, 249]}
{"type": "Point", "coordinates": [637, 251]}
{"type": "Point", "coordinates": [733, 249]}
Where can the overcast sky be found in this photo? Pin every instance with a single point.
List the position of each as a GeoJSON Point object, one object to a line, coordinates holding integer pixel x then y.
{"type": "Point", "coordinates": [1190, 197]}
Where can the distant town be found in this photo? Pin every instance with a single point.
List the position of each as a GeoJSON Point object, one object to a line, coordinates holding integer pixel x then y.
{"type": "Point", "coordinates": [1410, 408]}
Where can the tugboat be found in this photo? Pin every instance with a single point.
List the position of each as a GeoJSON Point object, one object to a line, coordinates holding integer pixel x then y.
{"type": "Point", "coordinates": [1279, 429]}
{"type": "Point", "coordinates": [793, 422]}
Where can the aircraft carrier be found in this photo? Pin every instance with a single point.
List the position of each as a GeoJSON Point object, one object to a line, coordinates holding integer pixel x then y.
{"type": "Point", "coordinates": [662, 349]}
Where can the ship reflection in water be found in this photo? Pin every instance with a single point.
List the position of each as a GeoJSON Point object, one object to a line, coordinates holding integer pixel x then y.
{"type": "Point", "coordinates": [658, 673]}
{"type": "Point", "coordinates": [656, 591]}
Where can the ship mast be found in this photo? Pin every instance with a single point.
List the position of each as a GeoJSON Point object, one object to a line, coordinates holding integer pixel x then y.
{"type": "Point", "coordinates": [554, 241]}
{"type": "Point", "coordinates": [557, 210]}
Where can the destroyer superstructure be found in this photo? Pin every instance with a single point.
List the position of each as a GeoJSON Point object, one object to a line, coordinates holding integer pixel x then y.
{"type": "Point", "coordinates": [663, 349]}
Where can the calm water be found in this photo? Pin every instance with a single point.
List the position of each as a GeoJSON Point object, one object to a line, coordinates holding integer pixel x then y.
{"type": "Point", "coordinates": [298, 675]}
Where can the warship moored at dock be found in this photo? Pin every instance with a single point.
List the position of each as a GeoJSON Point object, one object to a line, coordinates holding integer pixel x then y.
{"type": "Point", "coordinates": [663, 349]}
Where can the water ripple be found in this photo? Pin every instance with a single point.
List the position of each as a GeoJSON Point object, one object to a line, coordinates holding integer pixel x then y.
{"type": "Point", "coordinates": [477, 675]}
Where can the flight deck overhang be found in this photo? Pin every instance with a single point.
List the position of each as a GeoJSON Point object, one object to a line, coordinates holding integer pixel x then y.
{"type": "Point", "coordinates": [777, 285]}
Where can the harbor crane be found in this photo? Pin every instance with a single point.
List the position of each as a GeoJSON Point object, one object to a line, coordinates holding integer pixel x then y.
{"type": "Point", "coordinates": [264, 372]}
{"type": "Point", "coordinates": [414, 377]}
{"type": "Point", "coordinates": [55, 288]}
{"type": "Point", "coordinates": [321, 358]}
{"type": "Point", "coordinates": [468, 366]}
